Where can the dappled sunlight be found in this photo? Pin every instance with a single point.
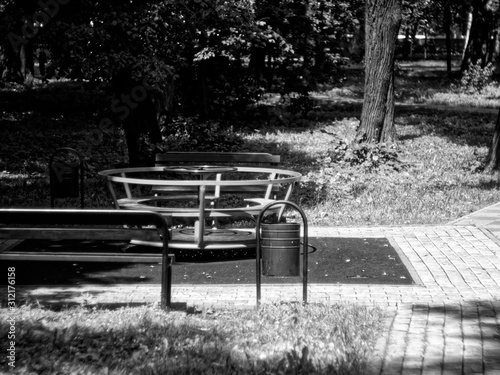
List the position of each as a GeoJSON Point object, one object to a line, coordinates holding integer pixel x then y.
{"type": "Point", "coordinates": [281, 338]}
{"type": "Point", "coordinates": [432, 177]}
{"type": "Point", "coordinates": [313, 142]}
{"type": "Point", "coordinates": [439, 178]}
{"type": "Point", "coordinates": [487, 100]}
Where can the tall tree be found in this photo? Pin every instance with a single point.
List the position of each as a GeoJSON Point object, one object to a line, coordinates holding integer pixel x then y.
{"type": "Point", "coordinates": [481, 43]}
{"type": "Point", "coordinates": [19, 28]}
{"type": "Point", "coordinates": [447, 23]}
{"type": "Point", "coordinates": [415, 14]}
{"type": "Point", "coordinates": [468, 26]}
{"type": "Point", "coordinates": [382, 21]}
{"type": "Point", "coordinates": [493, 158]}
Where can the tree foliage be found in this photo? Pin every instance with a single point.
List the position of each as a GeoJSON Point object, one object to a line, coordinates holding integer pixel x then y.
{"type": "Point", "coordinates": [161, 59]}
{"type": "Point", "coordinates": [208, 59]}
{"type": "Point", "coordinates": [215, 50]}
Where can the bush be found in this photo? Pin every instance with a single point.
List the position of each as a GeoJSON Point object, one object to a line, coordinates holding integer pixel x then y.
{"type": "Point", "coordinates": [342, 170]}
{"type": "Point", "coordinates": [476, 77]}
{"type": "Point", "coordinates": [369, 156]}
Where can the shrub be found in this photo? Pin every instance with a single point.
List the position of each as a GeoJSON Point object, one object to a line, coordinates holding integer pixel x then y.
{"type": "Point", "coordinates": [369, 156]}
{"type": "Point", "coordinates": [476, 77]}
{"type": "Point", "coordinates": [342, 170]}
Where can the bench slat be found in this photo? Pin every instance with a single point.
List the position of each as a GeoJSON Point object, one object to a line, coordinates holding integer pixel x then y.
{"type": "Point", "coordinates": [34, 217]}
{"type": "Point", "coordinates": [79, 233]}
{"type": "Point", "coordinates": [82, 257]}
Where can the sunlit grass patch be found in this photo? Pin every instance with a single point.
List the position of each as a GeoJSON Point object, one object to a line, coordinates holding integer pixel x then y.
{"type": "Point", "coordinates": [487, 98]}
{"type": "Point", "coordinates": [435, 179]}
{"type": "Point", "coordinates": [286, 338]}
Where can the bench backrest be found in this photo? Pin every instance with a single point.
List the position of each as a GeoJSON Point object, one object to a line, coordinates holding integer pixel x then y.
{"type": "Point", "coordinates": [45, 224]}
{"type": "Point", "coordinates": [243, 158]}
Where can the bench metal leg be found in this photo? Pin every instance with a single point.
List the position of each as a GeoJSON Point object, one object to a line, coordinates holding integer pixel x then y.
{"type": "Point", "coordinates": [166, 282]}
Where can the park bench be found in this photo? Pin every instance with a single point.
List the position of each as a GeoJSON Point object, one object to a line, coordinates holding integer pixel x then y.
{"type": "Point", "coordinates": [99, 225]}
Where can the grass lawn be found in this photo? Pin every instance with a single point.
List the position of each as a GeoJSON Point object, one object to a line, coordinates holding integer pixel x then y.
{"type": "Point", "coordinates": [275, 339]}
{"type": "Point", "coordinates": [431, 175]}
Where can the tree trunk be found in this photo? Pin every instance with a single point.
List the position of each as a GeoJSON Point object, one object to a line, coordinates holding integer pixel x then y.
{"type": "Point", "coordinates": [357, 45]}
{"type": "Point", "coordinates": [493, 159]}
{"type": "Point", "coordinates": [16, 62]}
{"type": "Point", "coordinates": [467, 36]}
{"type": "Point", "coordinates": [134, 106]}
{"type": "Point", "coordinates": [447, 28]}
{"type": "Point", "coordinates": [497, 54]}
{"type": "Point", "coordinates": [492, 50]}
{"type": "Point", "coordinates": [27, 62]}
{"type": "Point", "coordinates": [414, 42]}
{"type": "Point", "coordinates": [383, 18]}
{"type": "Point", "coordinates": [477, 45]}
{"type": "Point", "coordinates": [481, 42]}
{"type": "Point", "coordinates": [141, 129]}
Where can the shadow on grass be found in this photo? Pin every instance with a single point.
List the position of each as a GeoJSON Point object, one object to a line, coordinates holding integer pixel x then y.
{"type": "Point", "coordinates": [471, 127]}
{"type": "Point", "coordinates": [143, 347]}
{"type": "Point", "coordinates": [223, 342]}
{"type": "Point", "coordinates": [461, 128]}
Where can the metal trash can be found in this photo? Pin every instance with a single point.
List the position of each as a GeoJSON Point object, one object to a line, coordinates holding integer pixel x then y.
{"type": "Point", "coordinates": [280, 247]}
{"type": "Point", "coordinates": [65, 178]}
